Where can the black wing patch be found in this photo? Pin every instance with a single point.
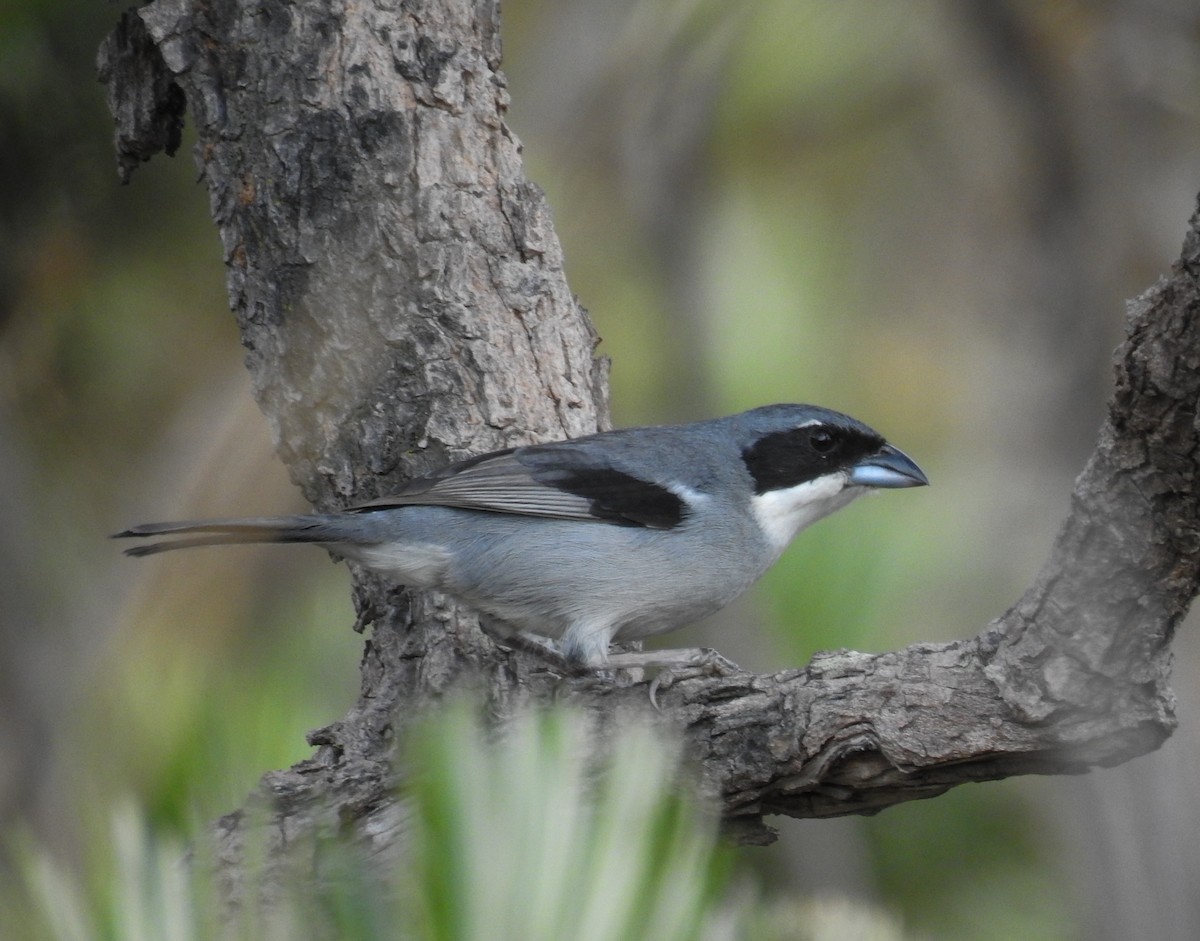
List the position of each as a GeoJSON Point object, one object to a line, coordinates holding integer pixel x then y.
{"type": "Point", "coordinates": [617, 497]}
{"type": "Point", "coordinates": [558, 481]}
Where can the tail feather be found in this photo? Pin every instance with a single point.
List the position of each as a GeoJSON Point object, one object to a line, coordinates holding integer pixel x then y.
{"type": "Point", "coordinates": [228, 532]}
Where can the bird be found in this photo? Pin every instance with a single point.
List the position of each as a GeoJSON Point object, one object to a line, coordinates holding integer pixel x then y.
{"type": "Point", "coordinates": [570, 546]}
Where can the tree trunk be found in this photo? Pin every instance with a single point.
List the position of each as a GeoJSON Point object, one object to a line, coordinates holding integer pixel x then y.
{"type": "Point", "coordinates": [400, 292]}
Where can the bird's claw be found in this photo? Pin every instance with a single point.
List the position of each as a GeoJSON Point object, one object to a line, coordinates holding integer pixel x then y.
{"type": "Point", "coordinates": [706, 662]}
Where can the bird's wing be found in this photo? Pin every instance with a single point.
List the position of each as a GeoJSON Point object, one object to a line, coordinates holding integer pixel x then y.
{"type": "Point", "coordinates": [570, 480]}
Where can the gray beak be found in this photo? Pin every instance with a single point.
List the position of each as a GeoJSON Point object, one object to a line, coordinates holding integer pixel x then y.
{"type": "Point", "coordinates": [888, 467]}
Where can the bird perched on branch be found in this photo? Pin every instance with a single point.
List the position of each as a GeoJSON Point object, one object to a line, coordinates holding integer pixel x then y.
{"type": "Point", "coordinates": [611, 537]}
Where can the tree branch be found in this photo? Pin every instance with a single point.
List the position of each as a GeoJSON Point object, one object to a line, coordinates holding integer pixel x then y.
{"type": "Point", "coordinates": [1073, 676]}
{"type": "Point", "coordinates": [400, 292]}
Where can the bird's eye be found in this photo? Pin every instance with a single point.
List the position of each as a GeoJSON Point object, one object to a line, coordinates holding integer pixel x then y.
{"type": "Point", "coordinates": [822, 441]}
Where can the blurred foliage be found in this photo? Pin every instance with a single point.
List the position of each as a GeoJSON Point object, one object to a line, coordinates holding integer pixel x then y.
{"type": "Point", "coordinates": [523, 840]}
{"type": "Point", "coordinates": [842, 203]}
{"type": "Point", "coordinates": [529, 836]}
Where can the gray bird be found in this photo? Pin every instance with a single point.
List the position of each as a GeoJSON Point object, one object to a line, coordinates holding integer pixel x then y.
{"type": "Point", "coordinates": [611, 537]}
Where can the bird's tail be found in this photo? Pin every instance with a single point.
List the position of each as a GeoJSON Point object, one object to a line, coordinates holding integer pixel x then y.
{"type": "Point", "coordinates": [187, 534]}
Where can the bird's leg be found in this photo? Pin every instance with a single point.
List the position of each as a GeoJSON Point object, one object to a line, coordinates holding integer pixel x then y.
{"type": "Point", "coordinates": [673, 665]}
{"type": "Point", "coordinates": [512, 639]}
{"type": "Point", "coordinates": [703, 659]}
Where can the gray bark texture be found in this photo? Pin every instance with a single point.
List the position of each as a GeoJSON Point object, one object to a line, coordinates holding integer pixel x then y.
{"type": "Point", "coordinates": [401, 295]}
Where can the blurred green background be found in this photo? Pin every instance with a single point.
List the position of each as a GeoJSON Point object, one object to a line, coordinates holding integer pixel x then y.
{"type": "Point", "coordinates": [926, 214]}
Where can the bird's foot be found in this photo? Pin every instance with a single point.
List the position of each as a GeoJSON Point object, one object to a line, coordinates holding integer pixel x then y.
{"type": "Point", "coordinates": [707, 662]}
{"type": "Point", "coordinates": [676, 665]}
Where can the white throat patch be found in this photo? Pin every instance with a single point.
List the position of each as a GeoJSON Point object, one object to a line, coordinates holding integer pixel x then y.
{"type": "Point", "coordinates": [783, 513]}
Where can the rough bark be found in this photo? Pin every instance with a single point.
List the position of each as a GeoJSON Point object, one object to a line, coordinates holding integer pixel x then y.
{"type": "Point", "coordinates": [400, 292]}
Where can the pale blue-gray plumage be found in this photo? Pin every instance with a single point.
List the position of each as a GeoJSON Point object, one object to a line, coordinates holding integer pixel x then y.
{"type": "Point", "coordinates": [611, 537]}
